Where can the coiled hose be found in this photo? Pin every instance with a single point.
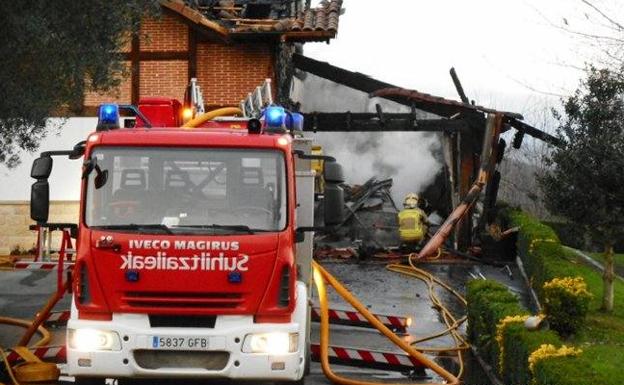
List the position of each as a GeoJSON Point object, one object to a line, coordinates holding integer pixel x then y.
{"type": "Point", "coordinates": [44, 340]}
{"type": "Point", "coordinates": [321, 276]}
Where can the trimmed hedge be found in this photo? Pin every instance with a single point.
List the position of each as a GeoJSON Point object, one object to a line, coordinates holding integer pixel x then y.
{"type": "Point", "coordinates": [539, 248]}
{"type": "Point", "coordinates": [518, 344]}
{"type": "Point", "coordinates": [488, 303]}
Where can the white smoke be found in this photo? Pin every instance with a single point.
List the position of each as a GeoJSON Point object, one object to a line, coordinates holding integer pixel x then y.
{"type": "Point", "coordinates": [412, 159]}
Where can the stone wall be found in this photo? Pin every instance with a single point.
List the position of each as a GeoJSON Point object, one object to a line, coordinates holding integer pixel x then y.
{"type": "Point", "coordinates": [15, 219]}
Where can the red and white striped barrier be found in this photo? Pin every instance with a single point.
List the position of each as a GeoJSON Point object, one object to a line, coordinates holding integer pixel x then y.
{"type": "Point", "coordinates": [41, 266]}
{"type": "Point", "coordinates": [369, 359]}
{"type": "Point", "coordinates": [353, 318]}
{"type": "Point", "coordinates": [57, 354]}
{"type": "Point", "coordinates": [58, 317]}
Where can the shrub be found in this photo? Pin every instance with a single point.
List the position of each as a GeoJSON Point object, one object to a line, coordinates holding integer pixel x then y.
{"type": "Point", "coordinates": [489, 303]}
{"type": "Point", "coordinates": [517, 345]}
{"type": "Point", "coordinates": [566, 303]}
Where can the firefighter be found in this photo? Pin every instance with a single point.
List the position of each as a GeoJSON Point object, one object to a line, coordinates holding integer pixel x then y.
{"type": "Point", "coordinates": [413, 224]}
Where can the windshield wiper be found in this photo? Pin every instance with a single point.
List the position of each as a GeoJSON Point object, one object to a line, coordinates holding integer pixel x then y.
{"type": "Point", "coordinates": [136, 227]}
{"type": "Point", "coordinates": [238, 228]}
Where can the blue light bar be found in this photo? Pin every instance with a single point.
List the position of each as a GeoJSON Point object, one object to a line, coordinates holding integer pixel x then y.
{"type": "Point", "coordinates": [108, 117]}
{"type": "Point", "coordinates": [296, 123]}
{"type": "Point", "coordinates": [274, 116]}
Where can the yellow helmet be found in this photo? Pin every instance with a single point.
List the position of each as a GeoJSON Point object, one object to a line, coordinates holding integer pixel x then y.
{"type": "Point", "coordinates": [411, 201]}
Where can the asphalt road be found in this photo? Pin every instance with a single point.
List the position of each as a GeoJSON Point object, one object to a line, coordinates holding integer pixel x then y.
{"type": "Point", "coordinates": [23, 293]}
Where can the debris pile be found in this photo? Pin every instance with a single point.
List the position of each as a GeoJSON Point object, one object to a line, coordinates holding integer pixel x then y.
{"type": "Point", "coordinates": [370, 222]}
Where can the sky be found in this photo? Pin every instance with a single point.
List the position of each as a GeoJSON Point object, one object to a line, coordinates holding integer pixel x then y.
{"type": "Point", "coordinates": [509, 54]}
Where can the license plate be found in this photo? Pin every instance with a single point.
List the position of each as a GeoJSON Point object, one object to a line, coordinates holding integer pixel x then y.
{"type": "Point", "coordinates": [180, 343]}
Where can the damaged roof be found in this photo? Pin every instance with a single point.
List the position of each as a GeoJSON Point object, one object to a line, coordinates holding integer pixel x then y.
{"type": "Point", "coordinates": [287, 19]}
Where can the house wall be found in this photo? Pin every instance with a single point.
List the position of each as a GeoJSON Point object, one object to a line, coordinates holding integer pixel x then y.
{"type": "Point", "coordinates": [64, 184]}
{"type": "Point", "coordinates": [227, 73]}
{"type": "Point", "coordinates": [170, 53]}
{"type": "Point", "coordinates": [15, 221]}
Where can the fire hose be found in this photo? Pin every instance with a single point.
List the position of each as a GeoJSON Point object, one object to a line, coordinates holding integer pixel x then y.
{"type": "Point", "coordinates": [33, 369]}
{"type": "Point", "coordinates": [322, 276]}
{"type": "Point", "coordinates": [203, 118]}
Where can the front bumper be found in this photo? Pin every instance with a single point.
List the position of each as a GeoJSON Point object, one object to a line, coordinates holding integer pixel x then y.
{"type": "Point", "coordinates": [227, 336]}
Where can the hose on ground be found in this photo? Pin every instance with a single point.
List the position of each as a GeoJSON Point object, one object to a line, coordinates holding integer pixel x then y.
{"type": "Point", "coordinates": [320, 277]}
{"type": "Point", "coordinates": [449, 319]}
{"type": "Point", "coordinates": [45, 339]}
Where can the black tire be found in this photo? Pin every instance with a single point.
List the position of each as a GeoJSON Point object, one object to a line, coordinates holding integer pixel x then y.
{"type": "Point", "coordinates": [90, 381]}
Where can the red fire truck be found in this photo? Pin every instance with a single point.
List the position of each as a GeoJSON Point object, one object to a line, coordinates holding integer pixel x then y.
{"type": "Point", "coordinates": [194, 245]}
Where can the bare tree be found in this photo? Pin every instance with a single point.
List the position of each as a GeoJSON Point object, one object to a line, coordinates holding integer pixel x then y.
{"type": "Point", "coordinates": [522, 167]}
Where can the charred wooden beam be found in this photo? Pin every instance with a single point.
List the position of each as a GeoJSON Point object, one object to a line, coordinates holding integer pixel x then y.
{"type": "Point", "coordinates": [458, 86]}
{"type": "Point", "coordinates": [534, 132]}
{"type": "Point", "coordinates": [192, 54]}
{"type": "Point", "coordinates": [158, 55]}
{"type": "Point", "coordinates": [135, 69]}
{"type": "Point", "coordinates": [370, 122]}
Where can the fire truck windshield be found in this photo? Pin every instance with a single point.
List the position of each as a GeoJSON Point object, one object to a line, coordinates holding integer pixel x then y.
{"type": "Point", "coordinates": [191, 191]}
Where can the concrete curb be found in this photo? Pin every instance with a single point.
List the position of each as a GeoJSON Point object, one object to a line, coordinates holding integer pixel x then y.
{"type": "Point", "coordinates": [591, 261]}
{"type": "Point", "coordinates": [537, 306]}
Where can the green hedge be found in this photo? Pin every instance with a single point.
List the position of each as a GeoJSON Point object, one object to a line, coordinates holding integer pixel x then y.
{"type": "Point", "coordinates": [539, 248]}
{"type": "Point", "coordinates": [518, 344]}
{"type": "Point", "coordinates": [488, 303]}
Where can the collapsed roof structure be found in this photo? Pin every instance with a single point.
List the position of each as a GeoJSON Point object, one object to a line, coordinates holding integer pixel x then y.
{"type": "Point", "coordinates": [472, 145]}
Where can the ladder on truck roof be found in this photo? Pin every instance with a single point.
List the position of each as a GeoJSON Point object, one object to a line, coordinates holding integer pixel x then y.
{"type": "Point", "coordinates": [257, 100]}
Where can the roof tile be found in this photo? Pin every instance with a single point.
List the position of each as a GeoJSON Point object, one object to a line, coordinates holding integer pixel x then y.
{"type": "Point", "coordinates": [322, 19]}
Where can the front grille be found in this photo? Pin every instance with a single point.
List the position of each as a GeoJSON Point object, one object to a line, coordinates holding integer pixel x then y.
{"type": "Point", "coordinates": [184, 300]}
{"type": "Point", "coordinates": [179, 321]}
{"type": "Point", "coordinates": [173, 359]}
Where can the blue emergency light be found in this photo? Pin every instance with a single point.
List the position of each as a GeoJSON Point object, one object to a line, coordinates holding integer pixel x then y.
{"type": "Point", "coordinates": [275, 116]}
{"type": "Point", "coordinates": [108, 117]}
{"type": "Point", "coordinates": [296, 121]}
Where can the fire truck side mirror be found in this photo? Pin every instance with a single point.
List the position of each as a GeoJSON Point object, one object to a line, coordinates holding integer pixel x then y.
{"type": "Point", "coordinates": [332, 172]}
{"type": "Point", "coordinates": [41, 168]}
{"type": "Point", "coordinates": [40, 201]}
{"type": "Point", "coordinates": [334, 194]}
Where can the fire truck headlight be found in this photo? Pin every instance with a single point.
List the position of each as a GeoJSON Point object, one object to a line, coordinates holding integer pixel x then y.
{"type": "Point", "coordinates": [271, 343]}
{"type": "Point", "coordinates": [89, 340]}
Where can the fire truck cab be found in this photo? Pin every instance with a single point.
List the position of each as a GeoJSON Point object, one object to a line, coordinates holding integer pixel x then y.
{"type": "Point", "coordinates": [194, 248]}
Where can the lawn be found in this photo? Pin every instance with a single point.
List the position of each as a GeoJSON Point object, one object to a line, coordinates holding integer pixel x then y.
{"type": "Point", "coordinates": [619, 261]}
{"type": "Point", "coordinates": [602, 337]}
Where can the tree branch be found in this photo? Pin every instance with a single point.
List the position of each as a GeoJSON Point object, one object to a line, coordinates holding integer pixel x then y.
{"type": "Point", "coordinates": [605, 16]}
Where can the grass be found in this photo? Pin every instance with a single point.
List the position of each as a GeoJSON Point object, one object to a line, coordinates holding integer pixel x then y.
{"type": "Point", "coordinates": [602, 337]}
{"type": "Point", "coordinates": [618, 258]}
{"type": "Point", "coordinates": [601, 328]}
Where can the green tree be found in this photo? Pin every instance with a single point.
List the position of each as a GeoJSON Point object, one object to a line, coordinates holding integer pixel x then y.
{"type": "Point", "coordinates": [51, 52]}
{"type": "Point", "coordinates": [586, 179]}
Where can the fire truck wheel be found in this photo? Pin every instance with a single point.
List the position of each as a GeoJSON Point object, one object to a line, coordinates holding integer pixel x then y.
{"type": "Point", "coordinates": [90, 381]}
